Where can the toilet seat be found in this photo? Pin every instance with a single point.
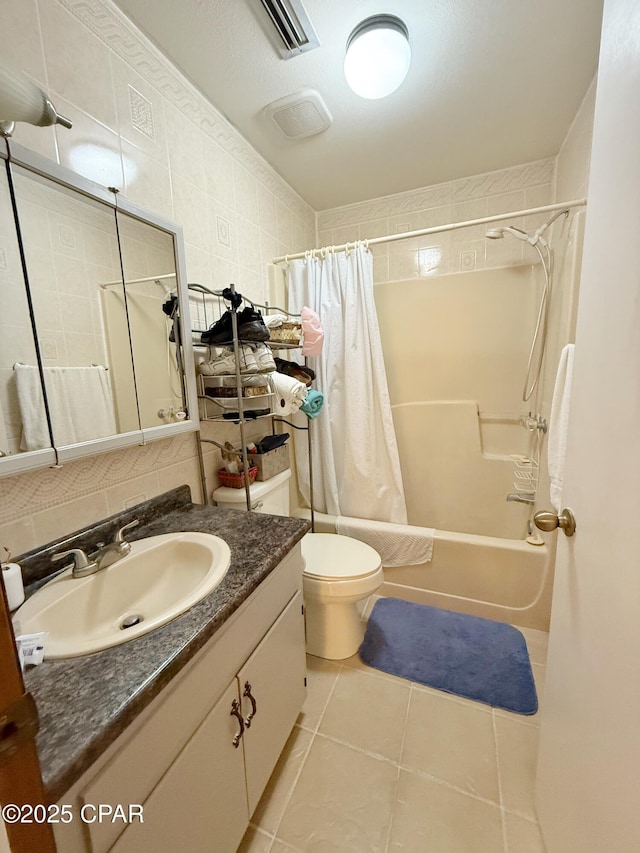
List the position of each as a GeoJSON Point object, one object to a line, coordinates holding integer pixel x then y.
{"type": "Point", "coordinates": [331, 557]}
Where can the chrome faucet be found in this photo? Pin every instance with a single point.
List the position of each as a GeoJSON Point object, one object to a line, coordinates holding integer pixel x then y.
{"type": "Point", "coordinates": [522, 497]}
{"type": "Point", "coordinates": [101, 558]}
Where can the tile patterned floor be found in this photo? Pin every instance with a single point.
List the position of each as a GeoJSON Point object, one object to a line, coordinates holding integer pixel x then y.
{"type": "Point", "coordinates": [376, 763]}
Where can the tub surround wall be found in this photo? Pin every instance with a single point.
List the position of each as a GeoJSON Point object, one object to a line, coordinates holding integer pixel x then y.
{"type": "Point", "coordinates": [140, 125]}
{"type": "Point", "coordinates": [455, 351]}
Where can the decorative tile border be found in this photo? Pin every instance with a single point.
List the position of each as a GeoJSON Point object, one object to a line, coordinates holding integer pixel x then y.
{"type": "Point", "coordinates": [113, 28]}
{"type": "Point", "coordinates": [477, 186]}
{"type": "Point", "coordinates": [34, 491]}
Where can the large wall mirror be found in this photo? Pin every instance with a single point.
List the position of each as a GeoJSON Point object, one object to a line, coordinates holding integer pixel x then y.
{"type": "Point", "coordinates": [104, 359]}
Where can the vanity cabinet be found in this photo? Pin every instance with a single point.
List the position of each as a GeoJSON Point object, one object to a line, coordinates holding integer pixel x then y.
{"type": "Point", "coordinates": [199, 782]}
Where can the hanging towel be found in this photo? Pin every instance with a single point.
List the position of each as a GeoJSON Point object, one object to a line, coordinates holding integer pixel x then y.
{"type": "Point", "coordinates": [313, 403]}
{"type": "Point", "coordinates": [313, 333]}
{"type": "Point", "coordinates": [397, 544]}
{"type": "Point", "coordinates": [290, 393]}
{"type": "Point", "coordinates": [35, 432]}
{"type": "Point", "coordinates": [558, 423]}
{"type": "Point", "coordinates": [79, 400]}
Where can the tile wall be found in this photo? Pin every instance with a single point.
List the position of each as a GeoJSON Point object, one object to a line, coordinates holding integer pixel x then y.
{"type": "Point", "coordinates": [141, 126]}
{"type": "Point", "coordinates": [516, 188]}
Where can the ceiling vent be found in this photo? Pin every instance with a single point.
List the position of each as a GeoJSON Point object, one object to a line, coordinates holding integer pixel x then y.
{"type": "Point", "coordinates": [294, 33]}
{"type": "Point", "coordinates": [300, 115]}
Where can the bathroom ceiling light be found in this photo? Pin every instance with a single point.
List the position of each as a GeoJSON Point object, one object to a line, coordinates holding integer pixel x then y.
{"type": "Point", "coordinates": [378, 56]}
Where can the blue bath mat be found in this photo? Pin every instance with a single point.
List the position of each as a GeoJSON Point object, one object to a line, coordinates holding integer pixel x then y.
{"type": "Point", "coordinates": [472, 657]}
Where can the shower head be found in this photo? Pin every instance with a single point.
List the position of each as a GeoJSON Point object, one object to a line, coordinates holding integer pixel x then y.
{"type": "Point", "coordinates": [518, 233]}
{"type": "Point", "coordinates": [498, 233]}
{"type": "Point", "coordinates": [495, 233]}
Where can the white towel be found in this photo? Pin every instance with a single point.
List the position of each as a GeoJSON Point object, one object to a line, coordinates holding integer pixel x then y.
{"type": "Point", "coordinates": [79, 400]}
{"type": "Point", "coordinates": [397, 544]}
{"type": "Point", "coordinates": [558, 423]}
{"type": "Point", "coordinates": [290, 393]}
{"type": "Point", "coordinates": [35, 433]}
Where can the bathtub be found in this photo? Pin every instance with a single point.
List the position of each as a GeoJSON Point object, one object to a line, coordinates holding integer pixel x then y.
{"type": "Point", "coordinates": [507, 580]}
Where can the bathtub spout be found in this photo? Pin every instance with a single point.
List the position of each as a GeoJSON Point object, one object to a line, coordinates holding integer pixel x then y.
{"type": "Point", "coordinates": [522, 497]}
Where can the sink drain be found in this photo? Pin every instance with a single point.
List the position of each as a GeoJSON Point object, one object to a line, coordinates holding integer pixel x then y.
{"type": "Point", "coordinates": [130, 621]}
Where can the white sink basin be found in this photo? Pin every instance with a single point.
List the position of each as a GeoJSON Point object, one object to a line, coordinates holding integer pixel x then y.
{"type": "Point", "coordinates": [161, 578]}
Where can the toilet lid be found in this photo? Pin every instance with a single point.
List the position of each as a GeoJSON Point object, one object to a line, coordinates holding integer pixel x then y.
{"type": "Point", "coordinates": [331, 556]}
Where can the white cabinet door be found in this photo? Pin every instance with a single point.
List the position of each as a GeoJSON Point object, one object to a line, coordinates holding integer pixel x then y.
{"type": "Point", "coordinates": [276, 675]}
{"type": "Point", "coordinates": [200, 804]}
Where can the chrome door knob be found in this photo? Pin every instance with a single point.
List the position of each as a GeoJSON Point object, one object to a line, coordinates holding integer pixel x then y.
{"type": "Point", "coordinates": [547, 521]}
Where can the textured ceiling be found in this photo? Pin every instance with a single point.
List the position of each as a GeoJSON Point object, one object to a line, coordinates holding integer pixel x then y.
{"type": "Point", "coordinates": [492, 84]}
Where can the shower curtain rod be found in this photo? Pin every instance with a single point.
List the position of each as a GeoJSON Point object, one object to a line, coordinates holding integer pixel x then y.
{"type": "Point", "coordinates": [139, 280]}
{"type": "Point", "coordinates": [437, 229]}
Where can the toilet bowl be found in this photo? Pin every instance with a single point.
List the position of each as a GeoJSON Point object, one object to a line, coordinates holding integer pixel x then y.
{"type": "Point", "coordinates": [339, 573]}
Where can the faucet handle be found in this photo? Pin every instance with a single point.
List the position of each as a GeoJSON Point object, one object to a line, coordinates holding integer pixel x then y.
{"type": "Point", "coordinates": [119, 537]}
{"type": "Point", "coordinates": [82, 565]}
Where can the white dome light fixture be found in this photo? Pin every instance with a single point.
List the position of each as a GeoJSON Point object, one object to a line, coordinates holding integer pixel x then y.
{"type": "Point", "coordinates": [378, 56]}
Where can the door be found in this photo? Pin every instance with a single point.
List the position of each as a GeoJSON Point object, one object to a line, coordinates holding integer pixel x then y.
{"type": "Point", "coordinates": [589, 759]}
{"type": "Point", "coordinates": [20, 780]}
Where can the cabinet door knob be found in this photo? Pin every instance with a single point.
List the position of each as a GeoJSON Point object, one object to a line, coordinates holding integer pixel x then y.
{"type": "Point", "coordinates": [254, 705]}
{"type": "Point", "coordinates": [235, 712]}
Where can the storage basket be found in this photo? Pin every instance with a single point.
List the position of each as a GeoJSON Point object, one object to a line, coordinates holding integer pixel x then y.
{"type": "Point", "coordinates": [271, 463]}
{"type": "Point", "coordinates": [236, 481]}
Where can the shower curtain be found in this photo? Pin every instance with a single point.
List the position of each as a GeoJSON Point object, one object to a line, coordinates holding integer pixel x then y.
{"type": "Point", "coordinates": [356, 465]}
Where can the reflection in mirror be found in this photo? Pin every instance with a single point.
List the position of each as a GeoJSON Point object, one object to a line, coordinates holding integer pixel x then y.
{"type": "Point", "coordinates": [71, 247]}
{"type": "Point", "coordinates": [23, 421]}
{"type": "Point", "coordinates": [149, 266]}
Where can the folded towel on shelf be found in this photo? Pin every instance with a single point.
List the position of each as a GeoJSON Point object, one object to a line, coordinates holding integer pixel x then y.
{"type": "Point", "coordinates": [313, 403]}
{"type": "Point", "coordinates": [79, 400]}
{"type": "Point", "coordinates": [272, 321]}
{"type": "Point", "coordinates": [312, 331]}
{"type": "Point", "coordinates": [558, 424]}
{"type": "Point", "coordinates": [290, 393]}
{"type": "Point", "coordinates": [397, 544]}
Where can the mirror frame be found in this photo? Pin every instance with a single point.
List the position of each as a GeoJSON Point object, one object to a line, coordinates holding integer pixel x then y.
{"type": "Point", "coordinates": [55, 456]}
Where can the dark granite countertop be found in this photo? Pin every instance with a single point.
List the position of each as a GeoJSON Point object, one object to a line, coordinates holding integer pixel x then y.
{"type": "Point", "coordinates": [85, 703]}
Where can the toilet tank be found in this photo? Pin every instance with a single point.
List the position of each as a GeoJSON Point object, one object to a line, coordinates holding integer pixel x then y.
{"type": "Point", "coordinates": [270, 496]}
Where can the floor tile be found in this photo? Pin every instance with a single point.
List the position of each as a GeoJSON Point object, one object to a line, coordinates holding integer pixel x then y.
{"type": "Point", "coordinates": [356, 663]}
{"type": "Point", "coordinates": [517, 757]}
{"type": "Point", "coordinates": [431, 818]}
{"type": "Point", "coordinates": [367, 712]}
{"type": "Point", "coordinates": [523, 836]}
{"type": "Point", "coordinates": [281, 847]}
{"type": "Point", "coordinates": [321, 679]}
{"type": "Point", "coordinates": [452, 740]}
{"type": "Point", "coordinates": [342, 801]}
{"type": "Point", "coordinates": [271, 807]}
{"type": "Point", "coordinates": [255, 841]}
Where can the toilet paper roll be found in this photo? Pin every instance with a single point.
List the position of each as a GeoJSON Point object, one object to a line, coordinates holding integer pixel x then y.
{"type": "Point", "coordinates": [12, 578]}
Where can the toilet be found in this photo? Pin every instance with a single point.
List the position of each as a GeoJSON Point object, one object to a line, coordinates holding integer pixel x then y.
{"type": "Point", "coordinates": [340, 572]}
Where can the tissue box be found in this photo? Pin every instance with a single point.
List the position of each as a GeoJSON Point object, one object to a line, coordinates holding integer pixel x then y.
{"type": "Point", "coordinates": [271, 463]}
